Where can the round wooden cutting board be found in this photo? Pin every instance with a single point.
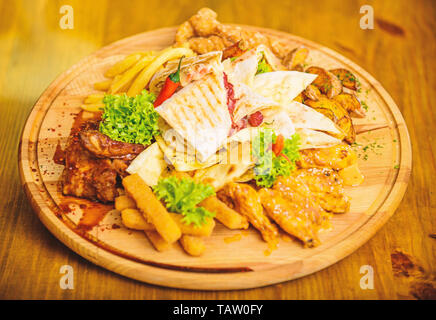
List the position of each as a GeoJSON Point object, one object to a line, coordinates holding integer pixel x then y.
{"type": "Point", "coordinates": [385, 160]}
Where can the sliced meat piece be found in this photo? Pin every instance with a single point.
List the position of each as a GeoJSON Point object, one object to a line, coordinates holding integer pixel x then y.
{"type": "Point", "coordinates": [121, 166]}
{"type": "Point", "coordinates": [101, 146]}
{"type": "Point", "coordinates": [85, 175]}
{"type": "Point", "coordinates": [245, 200]}
{"type": "Point", "coordinates": [327, 188]}
{"type": "Point", "coordinates": [77, 177]}
{"type": "Point", "coordinates": [104, 178]}
{"type": "Point", "coordinates": [88, 177]}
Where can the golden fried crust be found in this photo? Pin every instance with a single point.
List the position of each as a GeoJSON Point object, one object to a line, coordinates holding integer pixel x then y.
{"type": "Point", "coordinates": [184, 32]}
{"type": "Point", "coordinates": [295, 58]}
{"type": "Point", "coordinates": [296, 191]}
{"type": "Point", "coordinates": [337, 157]}
{"type": "Point", "coordinates": [335, 112]}
{"type": "Point", "coordinates": [291, 216]}
{"type": "Point", "coordinates": [204, 33]}
{"type": "Point", "coordinates": [247, 202]}
{"type": "Point", "coordinates": [203, 45]}
{"type": "Point", "coordinates": [204, 22]}
{"type": "Point", "coordinates": [350, 103]}
{"type": "Point", "coordinates": [326, 186]}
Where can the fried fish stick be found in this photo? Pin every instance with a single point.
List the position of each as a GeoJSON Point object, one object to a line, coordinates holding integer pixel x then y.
{"type": "Point", "coordinates": [124, 202]}
{"type": "Point", "coordinates": [123, 65]}
{"type": "Point", "coordinates": [152, 209]}
{"type": "Point", "coordinates": [157, 241]}
{"type": "Point", "coordinates": [133, 219]}
{"type": "Point", "coordinates": [227, 216]}
{"type": "Point", "coordinates": [205, 230]}
{"type": "Point", "coordinates": [194, 246]}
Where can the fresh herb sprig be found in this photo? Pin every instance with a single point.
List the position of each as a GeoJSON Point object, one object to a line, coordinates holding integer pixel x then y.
{"type": "Point", "coordinates": [263, 66]}
{"type": "Point", "coordinates": [270, 166]}
{"type": "Point", "coordinates": [182, 196]}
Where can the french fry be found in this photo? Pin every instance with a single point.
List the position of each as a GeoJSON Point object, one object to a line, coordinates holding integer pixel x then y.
{"type": "Point", "coordinates": [123, 65]}
{"type": "Point", "coordinates": [144, 77]}
{"type": "Point", "coordinates": [93, 107]}
{"type": "Point", "coordinates": [103, 85]}
{"type": "Point", "coordinates": [94, 98]}
{"type": "Point", "coordinates": [194, 246]}
{"type": "Point", "coordinates": [128, 76]}
{"type": "Point", "coordinates": [204, 230]}
{"type": "Point", "coordinates": [152, 209]}
{"type": "Point", "coordinates": [157, 241]}
{"type": "Point", "coordinates": [227, 216]}
{"type": "Point", "coordinates": [133, 219]}
{"type": "Point", "coordinates": [124, 202]}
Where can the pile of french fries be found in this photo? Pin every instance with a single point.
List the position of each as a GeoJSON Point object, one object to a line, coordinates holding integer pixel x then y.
{"type": "Point", "coordinates": [132, 74]}
{"type": "Point", "coordinates": [141, 210]}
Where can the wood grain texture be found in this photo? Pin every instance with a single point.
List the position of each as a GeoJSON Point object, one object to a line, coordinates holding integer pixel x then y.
{"type": "Point", "coordinates": [31, 257]}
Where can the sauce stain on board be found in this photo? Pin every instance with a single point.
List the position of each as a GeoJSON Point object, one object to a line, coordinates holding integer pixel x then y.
{"type": "Point", "coordinates": [93, 212]}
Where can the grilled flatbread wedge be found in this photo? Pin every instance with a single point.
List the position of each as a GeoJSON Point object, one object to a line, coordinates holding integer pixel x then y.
{"type": "Point", "coordinates": [249, 102]}
{"type": "Point", "coordinates": [192, 68]}
{"type": "Point", "coordinates": [243, 69]}
{"type": "Point", "coordinates": [199, 114]}
{"type": "Point", "coordinates": [282, 86]}
{"type": "Point", "coordinates": [305, 117]}
{"type": "Point", "coordinates": [316, 139]}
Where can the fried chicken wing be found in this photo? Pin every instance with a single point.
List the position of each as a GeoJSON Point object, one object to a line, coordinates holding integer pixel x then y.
{"type": "Point", "coordinates": [336, 157]}
{"type": "Point", "coordinates": [296, 191]}
{"type": "Point", "coordinates": [327, 188]}
{"type": "Point", "coordinates": [292, 216]}
{"type": "Point", "coordinates": [245, 200]}
{"type": "Point", "coordinates": [101, 146]}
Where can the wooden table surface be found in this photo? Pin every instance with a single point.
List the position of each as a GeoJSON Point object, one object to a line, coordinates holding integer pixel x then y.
{"type": "Point", "coordinates": [400, 52]}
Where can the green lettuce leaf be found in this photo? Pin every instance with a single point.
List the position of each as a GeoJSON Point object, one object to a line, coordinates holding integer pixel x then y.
{"type": "Point", "coordinates": [182, 196]}
{"type": "Point", "coordinates": [130, 119]}
{"type": "Point", "coordinates": [269, 166]}
{"type": "Point", "coordinates": [263, 67]}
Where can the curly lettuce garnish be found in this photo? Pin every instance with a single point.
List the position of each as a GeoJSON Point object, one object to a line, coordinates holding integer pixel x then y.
{"type": "Point", "coordinates": [263, 66]}
{"type": "Point", "coordinates": [270, 166]}
{"type": "Point", "coordinates": [130, 119]}
{"type": "Point", "coordinates": [182, 196]}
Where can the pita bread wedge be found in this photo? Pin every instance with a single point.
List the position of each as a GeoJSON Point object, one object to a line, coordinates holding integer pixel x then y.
{"type": "Point", "coordinates": [306, 117]}
{"type": "Point", "coordinates": [282, 86]}
{"type": "Point", "coordinates": [270, 58]}
{"type": "Point", "coordinates": [279, 121]}
{"type": "Point", "coordinates": [149, 164]}
{"type": "Point", "coordinates": [199, 114]}
{"type": "Point", "coordinates": [183, 161]}
{"type": "Point", "coordinates": [243, 69]}
{"type": "Point", "coordinates": [316, 139]}
{"type": "Point", "coordinates": [209, 62]}
{"type": "Point", "coordinates": [249, 102]}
